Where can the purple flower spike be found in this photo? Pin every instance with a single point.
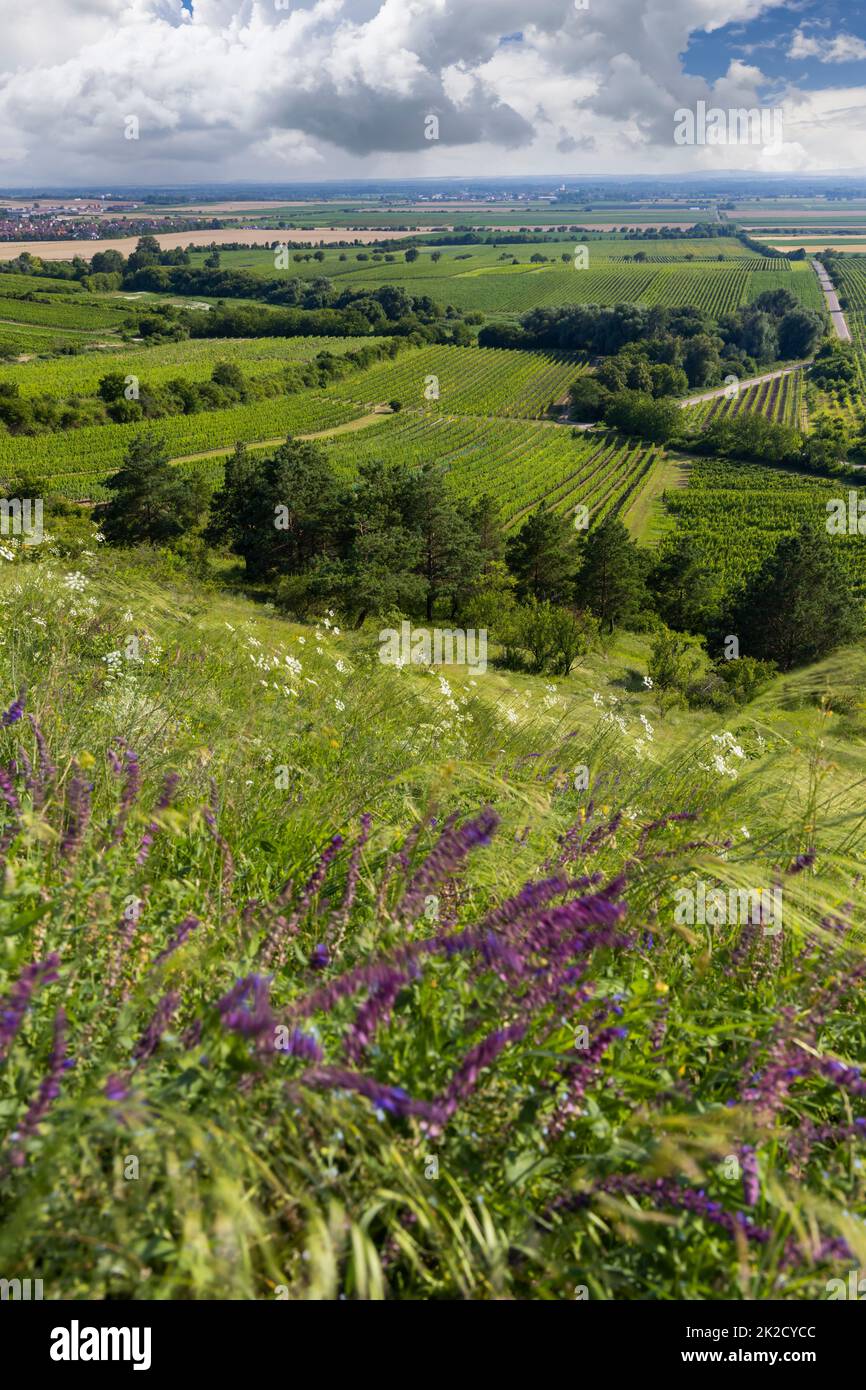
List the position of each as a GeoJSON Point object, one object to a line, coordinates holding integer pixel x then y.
{"type": "Point", "coordinates": [49, 1090]}
{"type": "Point", "coordinates": [14, 712]}
{"type": "Point", "coordinates": [15, 1005]}
{"type": "Point", "coordinates": [117, 1087]}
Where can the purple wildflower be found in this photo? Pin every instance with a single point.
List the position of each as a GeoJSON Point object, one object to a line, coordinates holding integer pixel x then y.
{"type": "Point", "coordinates": [299, 1044]}
{"type": "Point", "coordinates": [15, 1005]}
{"type": "Point", "coordinates": [253, 1019]}
{"type": "Point", "coordinates": [751, 1179]}
{"type": "Point", "coordinates": [117, 1087]}
{"type": "Point", "coordinates": [46, 772]}
{"type": "Point", "coordinates": [78, 811]}
{"type": "Point", "coordinates": [8, 794]}
{"type": "Point", "coordinates": [391, 1098]}
{"type": "Point", "coordinates": [283, 928]}
{"type": "Point", "coordinates": [131, 787]}
{"type": "Point", "coordinates": [49, 1090]}
{"type": "Point", "coordinates": [185, 929]}
{"type": "Point", "coordinates": [452, 847]}
{"type": "Point", "coordinates": [210, 816]}
{"type": "Point", "coordinates": [150, 1038]}
{"type": "Point", "coordinates": [354, 872]}
{"type": "Point", "coordinates": [14, 712]}
{"type": "Point", "coordinates": [169, 787]}
{"type": "Point", "coordinates": [803, 861]}
{"type": "Point", "coordinates": [373, 1013]}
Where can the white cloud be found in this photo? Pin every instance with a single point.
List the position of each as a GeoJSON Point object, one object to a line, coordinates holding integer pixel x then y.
{"type": "Point", "coordinates": [334, 87]}
{"type": "Point", "coordinates": [842, 48]}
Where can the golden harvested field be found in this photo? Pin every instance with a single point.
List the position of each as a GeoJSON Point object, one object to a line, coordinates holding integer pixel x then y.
{"type": "Point", "coordinates": [251, 236]}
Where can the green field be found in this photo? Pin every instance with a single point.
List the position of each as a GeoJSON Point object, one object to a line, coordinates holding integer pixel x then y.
{"type": "Point", "coordinates": [504, 280]}
{"type": "Point", "coordinates": [779, 400]}
{"type": "Point", "coordinates": [733, 515]}
{"type": "Point", "coordinates": [75, 463]}
{"type": "Point", "coordinates": [194, 359]}
{"type": "Point", "coordinates": [468, 381]}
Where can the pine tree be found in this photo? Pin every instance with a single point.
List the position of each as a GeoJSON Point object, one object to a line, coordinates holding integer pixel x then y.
{"type": "Point", "coordinates": [152, 501]}
{"type": "Point", "coordinates": [543, 556]}
{"type": "Point", "coordinates": [799, 605]}
{"type": "Point", "coordinates": [280, 513]}
{"type": "Point", "coordinates": [683, 588]}
{"type": "Point", "coordinates": [611, 581]}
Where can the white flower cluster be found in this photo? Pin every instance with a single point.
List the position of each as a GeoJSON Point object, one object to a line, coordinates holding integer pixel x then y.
{"type": "Point", "coordinates": [728, 748]}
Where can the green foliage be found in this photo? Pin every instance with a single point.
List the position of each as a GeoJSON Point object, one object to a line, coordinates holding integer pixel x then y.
{"type": "Point", "coordinates": [637, 413]}
{"type": "Point", "coordinates": [542, 556]}
{"type": "Point", "coordinates": [544, 638]}
{"type": "Point", "coordinates": [280, 512]}
{"type": "Point", "coordinates": [150, 501]}
{"type": "Point", "coordinates": [799, 605]}
{"type": "Point", "coordinates": [611, 581]}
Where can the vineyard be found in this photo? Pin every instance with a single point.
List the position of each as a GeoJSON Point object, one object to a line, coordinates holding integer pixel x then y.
{"type": "Point", "coordinates": [17, 340]}
{"type": "Point", "coordinates": [734, 514]}
{"type": "Point", "coordinates": [519, 464]}
{"type": "Point", "coordinates": [194, 359]}
{"type": "Point", "coordinates": [850, 275]}
{"type": "Point", "coordinates": [716, 287]}
{"type": "Point", "coordinates": [12, 284]}
{"type": "Point", "coordinates": [779, 399]}
{"type": "Point", "coordinates": [75, 311]}
{"type": "Point", "coordinates": [746, 261]}
{"type": "Point", "coordinates": [76, 463]}
{"type": "Point", "coordinates": [467, 381]}
{"type": "Point", "coordinates": [798, 277]}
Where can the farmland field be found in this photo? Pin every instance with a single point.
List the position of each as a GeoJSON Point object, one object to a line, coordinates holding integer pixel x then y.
{"type": "Point", "coordinates": [733, 515]}
{"type": "Point", "coordinates": [75, 463]}
{"type": "Point", "coordinates": [474, 381]}
{"type": "Point", "coordinates": [716, 274]}
{"type": "Point", "coordinates": [850, 273]}
{"type": "Point", "coordinates": [231, 818]}
{"type": "Point", "coordinates": [194, 358]}
{"type": "Point", "coordinates": [779, 400]}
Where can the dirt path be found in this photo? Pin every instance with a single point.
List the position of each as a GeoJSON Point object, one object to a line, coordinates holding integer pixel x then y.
{"type": "Point", "coordinates": [349, 427]}
{"type": "Point", "coordinates": [645, 517]}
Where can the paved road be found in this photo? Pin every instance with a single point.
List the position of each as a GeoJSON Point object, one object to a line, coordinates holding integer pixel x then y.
{"type": "Point", "coordinates": [836, 314]}
{"type": "Point", "coordinates": [705, 395]}
{"type": "Point", "coordinates": [748, 381]}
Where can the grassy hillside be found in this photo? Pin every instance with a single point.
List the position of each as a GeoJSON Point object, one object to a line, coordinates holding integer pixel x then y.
{"type": "Point", "coordinates": [323, 977]}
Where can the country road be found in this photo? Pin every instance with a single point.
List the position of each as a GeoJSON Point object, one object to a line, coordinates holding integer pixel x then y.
{"type": "Point", "coordinates": [707, 395]}
{"type": "Point", "coordinates": [839, 322]}
{"type": "Point", "coordinates": [749, 381]}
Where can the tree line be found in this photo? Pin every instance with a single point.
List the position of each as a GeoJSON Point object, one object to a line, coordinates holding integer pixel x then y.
{"type": "Point", "coordinates": [394, 541]}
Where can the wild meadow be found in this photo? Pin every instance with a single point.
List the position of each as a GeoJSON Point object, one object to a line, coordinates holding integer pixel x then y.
{"type": "Point", "coordinates": [322, 978]}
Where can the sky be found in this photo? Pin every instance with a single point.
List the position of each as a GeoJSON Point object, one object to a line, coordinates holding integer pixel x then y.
{"type": "Point", "coordinates": [292, 90]}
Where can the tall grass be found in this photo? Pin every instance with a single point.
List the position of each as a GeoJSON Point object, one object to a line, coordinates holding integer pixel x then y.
{"type": "Point", "coordinates": [344, 986]}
